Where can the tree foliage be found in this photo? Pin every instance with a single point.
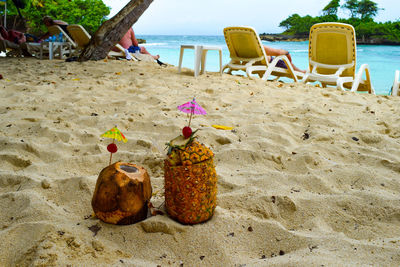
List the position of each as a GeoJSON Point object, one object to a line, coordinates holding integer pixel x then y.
{"type": "Point", "coordinates": [361, 17]}
{"type": "Point", "coordinates": [297, 25]}
{"type": "Point", "coordinates": [89, 13]}
{"type": "Point", "coordinates": [352, 7]}
{"type": "Point", "coordinates": [367, 9]}
{"type": "Point", "coordinates": [331, 8]}
{"type": "Point", "coordinates": [291, 21]}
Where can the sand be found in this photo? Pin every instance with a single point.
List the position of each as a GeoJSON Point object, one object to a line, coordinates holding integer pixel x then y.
{"type": "Point", "coordinates": [308, 177]}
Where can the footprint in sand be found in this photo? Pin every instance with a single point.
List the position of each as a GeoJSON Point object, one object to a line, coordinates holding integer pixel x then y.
{"type": "Point", "coordinates": [162, 224]}
{"type": "Point", "coordinates": [395, 166]}
{"type": "Point", "coordinates": [9, 181]}
{"type": "Point", "coordinates": [16, 161]}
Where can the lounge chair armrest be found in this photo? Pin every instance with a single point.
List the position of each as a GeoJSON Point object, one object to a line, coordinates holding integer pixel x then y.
{"type": "Point", "coordinates": [247, 59]}
{"type": "Point", "coordinates": [250, 63]}
{"type": "Point", "coordinates": [340, 68]}
{"type": "Point", "coordinates": [238, 63]}
{"type": "Point", "coordinates": [339, 71]}
{"type": "Point", "coordinates": [257, 68]}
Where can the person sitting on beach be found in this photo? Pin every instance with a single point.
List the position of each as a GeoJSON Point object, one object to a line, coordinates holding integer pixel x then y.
{"type": "Point", "coordinates": [13, 39]}
{"type": "Point", "coordinates": [48, 21]}
{"type": "Point", "coordinates": [274, 52]}
{"type": "Point", "coordinates": [12, 36]}
{"type": "Point", "coordinates": [130, 43]}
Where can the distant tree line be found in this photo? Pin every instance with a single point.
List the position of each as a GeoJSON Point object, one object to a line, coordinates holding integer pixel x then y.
{"type": "Point", "coordinates": [361, 14]}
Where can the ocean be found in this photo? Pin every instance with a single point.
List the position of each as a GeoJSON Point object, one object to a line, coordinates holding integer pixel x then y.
{"type": "Point", "coordinates": [382, 60]}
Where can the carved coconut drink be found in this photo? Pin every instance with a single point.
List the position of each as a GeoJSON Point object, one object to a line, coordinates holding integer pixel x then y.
{"type": "Point", "coordinates": [122, 193]}
{"type": "Point", "coordinates": [190, 181]}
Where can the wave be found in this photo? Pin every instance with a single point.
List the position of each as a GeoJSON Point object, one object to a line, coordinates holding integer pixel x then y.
{"type": "Point", "coordinates": [299, 51]}
{"type": "Point", "coordinates": [154, 44]}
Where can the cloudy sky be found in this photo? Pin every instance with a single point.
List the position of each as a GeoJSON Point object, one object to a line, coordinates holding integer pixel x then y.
{"type": "Point", "coordinates": [209, 17]}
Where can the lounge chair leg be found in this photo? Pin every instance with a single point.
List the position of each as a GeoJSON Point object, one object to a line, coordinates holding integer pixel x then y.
{"type": "Point", "coordinates": [290, 68]}
{"type": "Point", "coordinates": [305, 77]}
{"type": "Point", "coordinates": [273, 65]}
{"type": "Point", "coordinates": [358, 79]}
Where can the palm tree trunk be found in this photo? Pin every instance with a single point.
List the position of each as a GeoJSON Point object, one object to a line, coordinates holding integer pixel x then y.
{"type": "Point", "coordinates": [111, 31]}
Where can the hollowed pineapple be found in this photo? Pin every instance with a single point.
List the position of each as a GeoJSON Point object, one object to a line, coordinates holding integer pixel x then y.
{"type": "Point", "coordinates": [190, 181]}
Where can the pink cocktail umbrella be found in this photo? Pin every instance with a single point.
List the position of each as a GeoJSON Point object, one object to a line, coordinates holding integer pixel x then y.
{"type": "Point", "coordinates": [192, 107]}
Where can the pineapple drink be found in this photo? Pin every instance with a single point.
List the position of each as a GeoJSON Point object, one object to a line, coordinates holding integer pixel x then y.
{"type": "Point", "coordinates": [190, 181]}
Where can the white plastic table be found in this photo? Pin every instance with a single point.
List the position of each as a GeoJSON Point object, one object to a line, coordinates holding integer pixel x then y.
{"type": "Point", "coordinates": [200, 55]}
{"type": "Point", "coordinates": [52, 48]}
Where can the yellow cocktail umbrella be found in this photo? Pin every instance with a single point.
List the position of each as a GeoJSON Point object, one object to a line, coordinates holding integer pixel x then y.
{"type": "Point", "coordinates": [114, 134]}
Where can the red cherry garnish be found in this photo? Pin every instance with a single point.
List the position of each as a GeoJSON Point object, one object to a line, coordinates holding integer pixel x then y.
{"type": "Point", "coordinates": [187, 132]}
{"type": "Point", "coordinates": [112, 148]}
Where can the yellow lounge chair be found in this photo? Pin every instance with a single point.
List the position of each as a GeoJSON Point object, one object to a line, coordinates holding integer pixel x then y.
{"type": "Point", "coordinates": [247, 54]}
{"type": "Point", "coordinates": [396, 83]}
{"type": "Point", "coordinates": [332, 58]}
{"type": "Point", "coordinates": [80, 36]}
{"type": "Point", "coordinates": [82, 39]}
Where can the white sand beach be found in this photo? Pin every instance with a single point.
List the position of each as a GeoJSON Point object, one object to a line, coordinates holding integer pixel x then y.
{"type": "Point", "coordinates": [308, 177]}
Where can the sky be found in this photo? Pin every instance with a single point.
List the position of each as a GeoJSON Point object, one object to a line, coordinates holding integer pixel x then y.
{"type": "Point", "coordinates": [209, 17]}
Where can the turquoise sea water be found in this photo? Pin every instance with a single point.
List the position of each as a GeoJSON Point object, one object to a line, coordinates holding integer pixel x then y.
{"type": "Point", "coordinates": [382, 60]}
